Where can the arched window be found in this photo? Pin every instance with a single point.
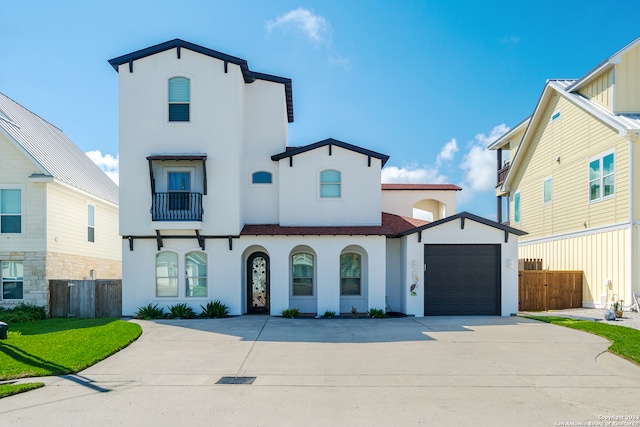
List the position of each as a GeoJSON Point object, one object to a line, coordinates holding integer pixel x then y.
{"type": "Point", "coordinates": [302, 275]}
{"type": "Point", "coordinates": [167, 274]}
{"type": "Point", "coordinates": [350, 274]}
{"type": "Point", "coordinates": [179, 99]}
{"type": "Point", "coordinates": [196, 274]}
{"type": "Point", "coordinates": [330, 183]}
{"type": "Point", "coordinates": [262, 177]}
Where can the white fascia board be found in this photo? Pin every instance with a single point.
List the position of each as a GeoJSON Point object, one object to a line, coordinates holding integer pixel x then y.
{"type": "Point", "coordinates": [500, 142]}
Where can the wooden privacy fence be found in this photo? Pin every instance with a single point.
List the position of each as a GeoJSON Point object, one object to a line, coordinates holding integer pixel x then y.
{"type": "Point", "coordinates": [85, 298]}
{"type": "Point", "coordinates": [540, 290]}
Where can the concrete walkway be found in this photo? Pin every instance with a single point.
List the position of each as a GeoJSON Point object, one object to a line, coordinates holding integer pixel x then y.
{"type": "Point", "coordinates": [435, 371]}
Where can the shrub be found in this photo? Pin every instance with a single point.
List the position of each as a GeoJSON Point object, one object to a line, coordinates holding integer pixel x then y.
{"type": "Point", "coordinates": [181, 311]}
{"type": "Point", "coordinates": [291, 312]}
{"type": "Point", "coordinates": [150, 312]}
{"type": "Point", "coordinates": [329, 314]}
{"type": "Point", "coordinates": [377, 313]}
{"type": "Point", "coordinates": [22, 313]}
{"type": "Point", "coordinates": [215, 309]}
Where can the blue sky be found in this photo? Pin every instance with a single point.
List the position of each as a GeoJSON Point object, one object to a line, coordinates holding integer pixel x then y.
{"type": "Point", "coordinates": [429, 83]}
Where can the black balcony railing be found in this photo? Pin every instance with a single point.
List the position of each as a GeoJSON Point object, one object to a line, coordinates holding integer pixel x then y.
{"type": "Point", "coordinates": [176, 206]}
{"type": "Point", "coordinates": [502, 173]}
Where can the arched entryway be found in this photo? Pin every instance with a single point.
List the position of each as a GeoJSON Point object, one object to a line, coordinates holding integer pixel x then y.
{"type": "Point", "coordinates": [258, 283]}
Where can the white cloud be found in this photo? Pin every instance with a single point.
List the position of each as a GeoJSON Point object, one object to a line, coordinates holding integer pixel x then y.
{"type": "Point", "coordinates": [479, 164]}
{"type": "Point", "coordinates": [109, 164]}
{"type": "Point", "coordinates": [315, 27]}
{"type": "Point", "coordinates": [412, 174]}
{"type": "Point", "coordinates": [448, 151]}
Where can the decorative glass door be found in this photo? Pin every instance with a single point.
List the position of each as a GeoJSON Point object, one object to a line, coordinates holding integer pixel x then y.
{"type": "Point", "coordinates": [258, 283]}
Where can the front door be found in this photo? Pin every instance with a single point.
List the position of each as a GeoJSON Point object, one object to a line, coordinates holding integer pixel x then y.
{"type": "Point", "coordinates": [258, 283]}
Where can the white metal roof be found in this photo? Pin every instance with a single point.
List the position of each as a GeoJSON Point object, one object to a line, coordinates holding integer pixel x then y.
{"type": "Point", "coordinates": [52, 151]}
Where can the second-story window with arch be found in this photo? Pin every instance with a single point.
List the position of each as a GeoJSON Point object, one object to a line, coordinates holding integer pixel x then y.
{"type": "Point", "coordinates": [179, 99]}
{"type": "Point", "coordinates": [330, 183]}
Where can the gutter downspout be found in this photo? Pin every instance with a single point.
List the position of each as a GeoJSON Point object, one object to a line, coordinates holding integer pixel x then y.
{"type": "Point", "coordinates": [633, 255]}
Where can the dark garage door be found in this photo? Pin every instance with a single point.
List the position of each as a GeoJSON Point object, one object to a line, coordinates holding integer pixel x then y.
{"type": "Point", "coordinates": [462, 280]}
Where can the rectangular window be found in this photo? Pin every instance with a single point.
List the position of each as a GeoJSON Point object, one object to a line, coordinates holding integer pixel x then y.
{"type": "Point", "coordinates": [556, 115]}
{"type": "Point", "coordinates": [179, 99]}
{"type": "Point", "coordinates": [330, 183]}
{"type": "Point", "coordinates": [546, 190]}
{"type": "Point", "coordinates": [12, 279]}
{"type": "Point", "coordinates": [350, 274]}
{"type": "Point", "coordinates": [91, 223]}
{"type": "Point", "coordinates": [196, 273]}
{"type": "Point", "coordinates": [10, 210]}
{"type": "Point", "coordinates": [302, 275]}
{"type": "Point", "coordinates": [516, 207]}
{"type": "Point", "coordinates": [602, 177]}
{"type": "Point", "coordinates": [167, 274]}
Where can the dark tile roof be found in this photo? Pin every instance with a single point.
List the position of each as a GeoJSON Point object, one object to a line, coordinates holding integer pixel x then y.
{"type": "Point", "coordinates": [392, 225]}
{"type": "Point", "coordinates": [463, 216]}
{"type": "Point", "coordinates": [330, 142]}
{"type": "Point", "coordinates": [248, 75]}
{"type": "Point", "coordinates": [420, 187]}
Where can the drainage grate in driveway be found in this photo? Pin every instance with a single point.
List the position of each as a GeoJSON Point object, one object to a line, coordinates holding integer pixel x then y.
{"type": "Point", "coordinates": [236, 380]}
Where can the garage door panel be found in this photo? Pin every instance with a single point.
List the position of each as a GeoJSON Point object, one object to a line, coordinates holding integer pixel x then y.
{"type": "Point", "coordinates": [462, 279]}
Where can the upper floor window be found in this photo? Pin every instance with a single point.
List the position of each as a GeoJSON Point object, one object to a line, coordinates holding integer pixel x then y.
{"type": "Point", "coordinates": [262, 177]}
{"type": "Point", "coordinates": [179, 99]}
{"type": "Point", "coordinates": [91, 223]}
{"type": "Point", "coordinates": [302, 275]}
{"type": "Point", "coordinates": [556, 115]}
{"type": "Point", "coordinates": [10, 210]}
{"type": "Point", "coordinates": [601, 177]}
{"type": "Point", "coordinates": [350, 274]}
{"type": "Point", "coordinates": [546, 190]}
{"type": "Point", "coordinates": [516, 207]}
{"type": "Point", "coordinates": [330, 183]}
{"type": "Point", "coordinates": [12, 279]}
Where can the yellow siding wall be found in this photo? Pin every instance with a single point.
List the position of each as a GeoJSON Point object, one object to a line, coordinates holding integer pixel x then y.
{"type": "Point", "coordinates": [574, 138]}
{"type": "Point", "coordinates": [601, 256]}
{"type": "Point", "coordinates": [601, 90]}
{"type": "Point", "coordinates": [15, 169]}
{"type": "Point", "coordinates": [627, 85]}
{"type": "Point", "coordinates": [67, 225]}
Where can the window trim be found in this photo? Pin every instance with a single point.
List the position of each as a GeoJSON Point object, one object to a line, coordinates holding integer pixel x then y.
{"type": "Point", "coordinates": [321, 184]}
{"type": "Point", "coordinates": [91, 237]}
{"type": "Point", "coordinates": [548, 179]}
{"type": "Point", "coordinates": [2, 281]}
{"type": "Point", "coordinates": [600, 158]}
{"type": "Point", "coordinates": [22, 206]}
{"type": "Point", "coordinates": [556, 115]}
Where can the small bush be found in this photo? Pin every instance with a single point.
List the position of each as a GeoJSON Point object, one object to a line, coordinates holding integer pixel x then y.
{"type": "Point", "coordinates": [291, 313]}
{"type": "Point", "coordinates": [150, 312]}
{"type": "Point", "coordinates": [215, 310]}
{"type": "Point", "coordinates": [377, 313]}
{"type": "Point", "coordinates": [181, 311]}
{"type": "Point", "coordinates": [328, 314]}
{"type": "Point", "coordinates": [22, 313]}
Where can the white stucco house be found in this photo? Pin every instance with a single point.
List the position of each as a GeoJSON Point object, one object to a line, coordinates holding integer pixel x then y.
{"type": "Point", "coordinates": [58, 210]}
{"type": "Point", "coordinates": [214, 204]}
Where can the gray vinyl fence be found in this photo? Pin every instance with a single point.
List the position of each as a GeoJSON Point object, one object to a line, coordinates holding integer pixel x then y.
{"type": "Point", "coordinates": [85, 298]}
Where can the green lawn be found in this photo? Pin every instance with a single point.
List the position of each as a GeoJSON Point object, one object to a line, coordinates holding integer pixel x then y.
{"type": "Point", "coordinates": [61, 346]}
{"type": "Point", "coordinates": [9, 389]}
{"type": "Point", "coordinates": [625, 341]}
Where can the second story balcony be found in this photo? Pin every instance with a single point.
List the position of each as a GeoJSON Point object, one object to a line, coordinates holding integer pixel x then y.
{"type": "Point", "coordinates": [176, 206]}
{"type": "Point", "coordinates": [502, 173]}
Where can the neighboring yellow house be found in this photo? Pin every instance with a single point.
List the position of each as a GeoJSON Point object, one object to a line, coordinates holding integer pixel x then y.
{"type": "Point", "coordinates": [58, 210]}
{"type": "Point", "coordinates": [571, 183]}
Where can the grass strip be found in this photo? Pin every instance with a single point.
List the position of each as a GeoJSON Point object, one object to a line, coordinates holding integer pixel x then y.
{"type": "Point", "coordinates": [625, 342]}
{"type": "Point", "coordinates": [61, 346]}
{"type": "Point", "coordinates": [11, 389]}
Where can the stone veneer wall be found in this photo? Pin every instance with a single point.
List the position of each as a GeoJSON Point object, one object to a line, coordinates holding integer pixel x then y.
{"type": "Point", "coordinates": [40, 267]}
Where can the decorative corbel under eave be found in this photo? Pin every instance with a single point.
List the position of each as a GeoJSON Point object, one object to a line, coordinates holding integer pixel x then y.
{"type": "Point", "coordinates": [230, 243]}
{"type": "Point", "coordinates": [506, 236]}
{"type": "Point", "coordinates": [462, 223]}
{"type": "Point", "coordinates": [130, 243]}
{"type": "Point", "coordinates": [159, 239]}
{"type": "Point", "coordinates": [419, 236]}
{"type": "Point", "coordinates": [200, 240]}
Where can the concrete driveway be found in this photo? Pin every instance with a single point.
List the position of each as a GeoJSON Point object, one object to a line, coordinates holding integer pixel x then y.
{"type": "Point", "coordinates": [435, 371]}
